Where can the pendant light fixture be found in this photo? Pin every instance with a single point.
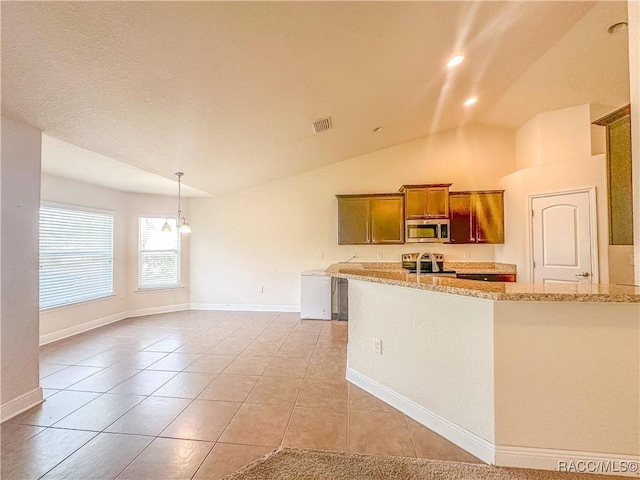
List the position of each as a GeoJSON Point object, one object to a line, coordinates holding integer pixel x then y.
{"type": "Point", "coordinates": [184, 226]}
{"type": "Point", "coordinates": [181, 222]}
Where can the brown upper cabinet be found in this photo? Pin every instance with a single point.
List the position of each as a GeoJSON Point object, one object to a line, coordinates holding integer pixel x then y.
{"type": "Point", "coordinates": [477, 217]}
{"type": "Point", "coordinates": [619, 178]}
{"type": "Point", "coordinates": [370, 219]}
{"type": "Point", "coordinates": [426, 201]}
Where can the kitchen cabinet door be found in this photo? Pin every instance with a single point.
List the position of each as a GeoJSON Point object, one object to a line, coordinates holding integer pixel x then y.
{"type": "Point", "coordinates": [489, 217]}
{"type": "Point", "coordinates": [354, 220]}
{"type": "Point", "coordinates": [461, 228]}
{"type": "Point", "coordinates": [426, 201]}
{"type": "Point", "coordinates": [437, 202]}
{"type": "Point", "coordinates": [477, 217]}
{"type": "Point", "coordinates": [387, 219]}
{"type": "Point", "coordinates": [416, 202]}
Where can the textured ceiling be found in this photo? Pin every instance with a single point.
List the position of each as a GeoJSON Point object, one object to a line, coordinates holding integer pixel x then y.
{"type": "Point", "coordinates": [227, 91]}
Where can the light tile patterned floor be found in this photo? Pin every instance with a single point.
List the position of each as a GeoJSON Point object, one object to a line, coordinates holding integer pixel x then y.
{"type": "Point", "coordinates": [198, 395]}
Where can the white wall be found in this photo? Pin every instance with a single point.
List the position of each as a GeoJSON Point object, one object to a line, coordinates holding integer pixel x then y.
{"type": "Point", "coordinates": [58, 322]}
{"type": "Point", "coordinates": [553, 151]}
{"type": "Point", "coordinates": [20, 192]}
{"type": "Point", "coordinates": [567, 376]}
{"type": "Point", "coordinates": [265, 236]}
{"type": "Point", "coordinates": [437, 350]}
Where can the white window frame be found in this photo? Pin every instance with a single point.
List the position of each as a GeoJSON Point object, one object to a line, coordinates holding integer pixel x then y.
{"type": "Point", "coordinates": [174, 231]}
{"type": "Point", "coordinates": [77, 299]}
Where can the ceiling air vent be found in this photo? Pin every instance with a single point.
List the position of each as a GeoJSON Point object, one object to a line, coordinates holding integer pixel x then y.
{"type": "Point", "coordinates": [322, 125]}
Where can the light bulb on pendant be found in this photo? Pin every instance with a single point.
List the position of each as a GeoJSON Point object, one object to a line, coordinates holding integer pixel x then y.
{"type": "Point", "coordinates": [166, 227]}
{"type": "Point", "coordinates": [184, 226]}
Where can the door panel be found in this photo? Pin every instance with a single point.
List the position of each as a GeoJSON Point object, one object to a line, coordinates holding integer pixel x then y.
{"type": "Point", "coordinates": [416, 202]}
{"type": "Point", "coordinates": [387, 219]}
{"type": "Point", "coordinates": [353, 221]}
{"type": "Point", "coordinates": [489, 217]}
{"type": "Point", "coordinates": [461, 219]}
{"type": "Point", "coordinates": [562, 231]}
{"type": "Point", "coordinates": [560, 218]}
{"type": "Point", "coordinates": [437, 202]}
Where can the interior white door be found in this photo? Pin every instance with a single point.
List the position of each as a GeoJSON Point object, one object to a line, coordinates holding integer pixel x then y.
{"type": "Point", "coordinates": [562, 238]}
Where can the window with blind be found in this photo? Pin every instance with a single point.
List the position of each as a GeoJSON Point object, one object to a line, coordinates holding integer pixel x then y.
{"type": "Point", "coordinates": [76, 256]}
{"type": "Point", "coordinates": [158, 253]}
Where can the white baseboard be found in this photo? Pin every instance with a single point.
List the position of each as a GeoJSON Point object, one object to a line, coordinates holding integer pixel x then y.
{"type": "Point", "coordinates": [465, 439]}
{"type": "Point", "coordinates": [20, 404]}
{"type": "Point", "coordinates": [582, 462]}
{"type": "Point", "coordinates": [242, 307]}
{"type": "Point", "coordinates": [100, 322]}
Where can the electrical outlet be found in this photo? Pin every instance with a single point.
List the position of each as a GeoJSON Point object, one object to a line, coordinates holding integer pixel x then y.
{"type": "Point", "coordinates": [260, 289]}
{"type": "Point", "coordinates": [319, 255]}
{"type": "Point", "coordinates": [377, 345]}
{"type": "Point", "coordinates": [380, 255]}
{"type": "Point", "coordinates": [631, 259]}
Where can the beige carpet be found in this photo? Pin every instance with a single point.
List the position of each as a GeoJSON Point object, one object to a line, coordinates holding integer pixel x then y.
{"type": "Point", "coordinates": [295, 464]}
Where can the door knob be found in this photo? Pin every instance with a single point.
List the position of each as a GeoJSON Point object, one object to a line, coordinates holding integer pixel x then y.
{"type": "Point", "coordinates": [583, 274]}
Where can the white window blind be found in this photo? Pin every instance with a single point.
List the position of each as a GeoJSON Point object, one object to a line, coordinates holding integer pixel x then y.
{"type": "Point", "coordinates": [76, 256]}
{"type": "Point", "coordinates": [158, 253]}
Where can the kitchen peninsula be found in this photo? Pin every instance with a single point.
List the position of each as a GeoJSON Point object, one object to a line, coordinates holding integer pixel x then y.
{"type": "Point", "coordinates": [517, 374]}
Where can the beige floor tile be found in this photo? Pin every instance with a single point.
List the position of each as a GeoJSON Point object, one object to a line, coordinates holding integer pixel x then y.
{"type": "Point", "coordinates": [49, 368]}
{"type": "Point", "coordinates": [226, 458]}
{"type": "Point", "coordinates": [302, 337]}
{"type": "Point", "coordinates": [232, 388]}
{"type": "Point", "coordinates": [258, 425]}
{"type": "Point", "coordinates": [202, 420]}
{"type": "Point", "coordinates": [166, 345]}
{"type": "Point", "coordinates": [431, 445]}
{"type": "Point", "coordinates": [328, 369]}
{"type": "Point", "coordinates": [140, 359]}
{"type": "Point", "coordinates": [41, 453]}
{"type": "Point", "coordinates": [310, 326]}
{"type": "Point", "coordinates": [227, 347]}
{"type": "Point", "coordinates": [379, 433]}
{"type": "Point", "coordinates": [210, 364]}
{"type": "Point", "coordinates": [275, 391]}
{"type": "Point", "coordinates": [144, 383]}
{"type": "Point", "coordinates": [287, 367]}
{"type": "Point", "coordinates": [291, 349]}
{"type": "Point", "coordinates": [317, 428]}
{"type": "Point", "coordinates": [47, 392]}
{"type": "Point", "coordinates": [104, 457]}
{"type": "Point", "coordinates": [167, 458]}
{"type": "Point", "coordinates": [174, 362]}
{"type": "Point", "coordinates": [262, 349]}
{"type": "Point", "coordinates": [185, 385]}
{"type": "Point", "coordinates": [319, 393]}
{"type": "Point", "coordinates": [248, 366]}
{"type": "Point", "coordinates": [100, 413]}
{"type": "Point", "coordinates": [149, 417]}
{"type": "Point", "coordinates": [54, 408]}
{"type": "Point", "coordinates": [361, 400]}
{"type": "Point", "coordinates": [67, 377]}
{"type": "Point", "coordinates": [198, 345]}
{"type": "Point", "coordinates": [104, 380]}
{"type": "Point", "coordinates": [105, 359]}
{"type": "Point", "coordinates": [15, 435]}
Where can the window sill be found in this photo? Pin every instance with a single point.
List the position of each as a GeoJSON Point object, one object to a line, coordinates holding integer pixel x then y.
{"type": "Point", "coordinates": [157, 289]}
{"type": "Point", "coordinates": [77, 304]}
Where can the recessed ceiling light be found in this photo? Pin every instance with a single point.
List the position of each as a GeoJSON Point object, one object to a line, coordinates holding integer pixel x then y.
{"type": "Point", "coordinates": [470, 101]}
{"type": "Point", "coordinates": [377, 129]}
{"type": "Point", "coordinates": [619, 27]}
{"type": "Point", "coordinates": [457, 60]}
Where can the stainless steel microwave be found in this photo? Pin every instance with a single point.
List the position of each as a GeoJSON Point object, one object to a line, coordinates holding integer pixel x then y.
{"type": "Point", "coordinates": [427, 231]}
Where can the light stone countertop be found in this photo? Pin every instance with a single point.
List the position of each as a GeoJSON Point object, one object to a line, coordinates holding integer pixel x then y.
{"type": "Point", "coordinates": [393, 274]}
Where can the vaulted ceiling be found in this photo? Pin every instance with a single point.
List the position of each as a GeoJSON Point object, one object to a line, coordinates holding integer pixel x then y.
{"type": "Point", "coordinates": [227, 91]}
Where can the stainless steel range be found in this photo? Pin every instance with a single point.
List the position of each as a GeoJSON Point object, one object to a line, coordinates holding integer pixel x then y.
{"type": "Point", "coordinates": [430, 263]}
